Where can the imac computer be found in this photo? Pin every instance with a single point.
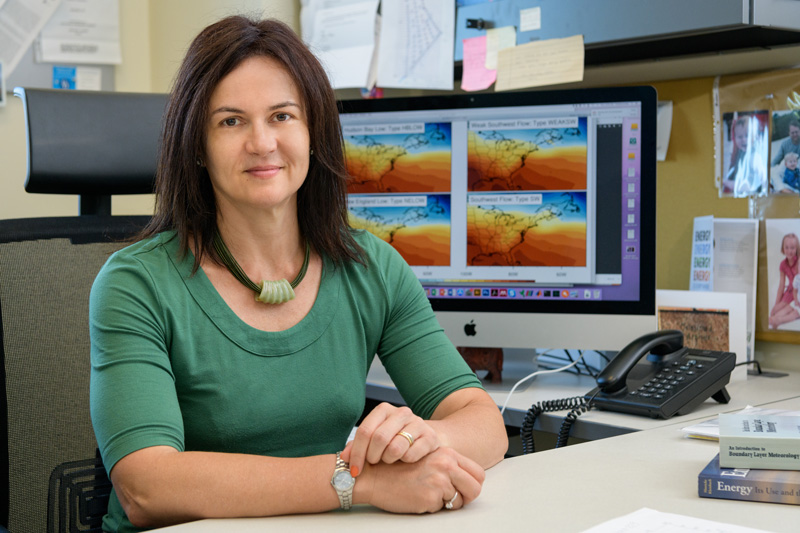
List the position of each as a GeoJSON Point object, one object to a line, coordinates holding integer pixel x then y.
{"type": "Point", "coordinates": [528, 217]}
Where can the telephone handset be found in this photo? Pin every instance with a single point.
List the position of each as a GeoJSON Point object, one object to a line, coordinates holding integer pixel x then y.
{"type": "Point", "coordinates": [657, 376]}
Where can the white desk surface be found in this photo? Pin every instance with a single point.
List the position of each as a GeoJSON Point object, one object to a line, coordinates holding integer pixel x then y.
{"type": "Point", "coordinates": [565, 490]}
{"type": "Point", "coordinates": [744, 390]}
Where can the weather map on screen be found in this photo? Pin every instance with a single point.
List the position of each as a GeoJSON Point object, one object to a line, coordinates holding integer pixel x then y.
{"type": "Point", "coordinates": [396, 158]}
{"type": "Point", "coordinates": [527, 229]}
{"type": "Point", "coordinates": [518, 155]}
{"type": "Point", "coordinates": [418, 226]}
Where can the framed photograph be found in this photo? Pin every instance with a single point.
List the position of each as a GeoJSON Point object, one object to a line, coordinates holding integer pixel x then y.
{"type": "Point", "coordinates": [745, 152]}
{"type": "Point", "coordinates": [783, 247]}
{"type": "Point", "coordinates": [784, 172]}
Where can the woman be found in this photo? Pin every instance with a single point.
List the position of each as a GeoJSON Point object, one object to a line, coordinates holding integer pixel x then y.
{"type": "Point", "coordinates": [208, 402]}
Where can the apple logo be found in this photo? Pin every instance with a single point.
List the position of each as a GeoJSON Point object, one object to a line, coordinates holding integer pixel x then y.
{"type": "Point", "coordinates": [469, 329]}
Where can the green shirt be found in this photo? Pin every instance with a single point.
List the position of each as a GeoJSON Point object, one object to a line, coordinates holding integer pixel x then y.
{"type": "Point", "coordinates": [173, 365]}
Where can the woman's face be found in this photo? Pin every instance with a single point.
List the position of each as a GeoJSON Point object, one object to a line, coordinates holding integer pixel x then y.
{"type": "Point", "coordinates": [257, 139]}
{"type": "Point", "coordinates": [740, 136]}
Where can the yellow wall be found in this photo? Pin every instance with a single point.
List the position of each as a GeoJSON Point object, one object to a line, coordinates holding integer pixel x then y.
{"type": "Point", "coordinates": [685, 180]}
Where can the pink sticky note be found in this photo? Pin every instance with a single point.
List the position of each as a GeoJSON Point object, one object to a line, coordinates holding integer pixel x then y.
{"type": "Point", "coordinates": [475, 76]}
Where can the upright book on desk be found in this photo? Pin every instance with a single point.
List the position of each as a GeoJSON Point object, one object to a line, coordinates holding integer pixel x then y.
{"type": "Point", "coordinates": [756, 485]}
{"type": "Point", "coordinates": [759, 441]}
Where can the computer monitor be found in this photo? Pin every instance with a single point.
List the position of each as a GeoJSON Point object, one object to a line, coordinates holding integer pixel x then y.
{"type": "Point", "coordinates": [528, 217]}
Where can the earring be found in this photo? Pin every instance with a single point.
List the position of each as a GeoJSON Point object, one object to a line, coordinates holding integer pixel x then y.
{"type": "Point", "coordinates": [311, 152]}
{"type": "Point", "coordinates": [199, 162]}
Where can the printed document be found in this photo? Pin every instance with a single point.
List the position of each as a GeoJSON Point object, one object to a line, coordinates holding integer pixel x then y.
{"type": "Point", "coordinates": [81, 31]}
{"type": "Point", "coordinates": [343, 39]}
{"type": "Point", "coordinates": [416, 49]}
{"type": "Point", "coordinates": [20, 23]}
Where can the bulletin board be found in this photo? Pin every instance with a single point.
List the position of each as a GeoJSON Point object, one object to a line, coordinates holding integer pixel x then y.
{"type": "Point", "coordinates": [776, 92]}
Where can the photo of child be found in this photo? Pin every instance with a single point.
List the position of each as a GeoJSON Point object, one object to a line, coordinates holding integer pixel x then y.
{"type": "Point", "coordinates": [783, 247]}
{"type": "Point", "coordinates": [745, 152]}
{"type": "Point", "coordinates": [785, 150]}
{"type": "Point", "coordinates": [791, 174]}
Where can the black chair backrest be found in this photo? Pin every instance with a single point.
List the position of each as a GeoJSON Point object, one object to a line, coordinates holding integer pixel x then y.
{"type": "Point", "coordinates": [92, 143]}
{"type": "Point", "coordinates": [47, 267]}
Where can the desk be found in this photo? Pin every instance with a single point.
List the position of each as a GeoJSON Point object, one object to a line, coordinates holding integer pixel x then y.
{"type": "Point", "coordinates": [752, 390]}
{"type": "Point", "coordinates": [566, 490]}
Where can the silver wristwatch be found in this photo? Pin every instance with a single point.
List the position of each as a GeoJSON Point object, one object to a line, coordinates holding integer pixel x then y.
{"type": "Point", "coordinates": [343, 482]}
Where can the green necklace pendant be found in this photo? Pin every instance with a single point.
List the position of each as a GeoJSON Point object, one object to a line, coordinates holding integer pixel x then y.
{"type": "Point", "coordinates": [268, 292]}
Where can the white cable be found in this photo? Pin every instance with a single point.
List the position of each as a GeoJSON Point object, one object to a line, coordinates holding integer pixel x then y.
{"type": "Point", "coordinates": [529, 376]}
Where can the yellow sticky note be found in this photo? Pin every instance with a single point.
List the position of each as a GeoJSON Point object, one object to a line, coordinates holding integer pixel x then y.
{"type": "Point", "coordinates": [498, 39]}
{"type": "Point", "coordinates": [540, 63]}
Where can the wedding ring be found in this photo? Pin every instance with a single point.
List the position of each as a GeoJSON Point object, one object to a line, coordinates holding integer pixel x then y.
{"type": "Point", "coordinates": [449, 505]}
{"type": "Point", "coordinates": [408, 437]}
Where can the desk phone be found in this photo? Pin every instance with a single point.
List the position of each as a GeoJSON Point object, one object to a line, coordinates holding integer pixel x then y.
{"type": "Point", "coordinates": [657, 376]}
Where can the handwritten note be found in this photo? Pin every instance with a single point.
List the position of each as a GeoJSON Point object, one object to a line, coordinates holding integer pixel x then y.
{"type": "Point", "coordinates": [475, 76]}
{"type": "Point", "coordinates": [540, 63]}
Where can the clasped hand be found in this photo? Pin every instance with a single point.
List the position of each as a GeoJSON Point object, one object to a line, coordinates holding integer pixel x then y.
{"type": "Point", "coordinates": [409, 470]}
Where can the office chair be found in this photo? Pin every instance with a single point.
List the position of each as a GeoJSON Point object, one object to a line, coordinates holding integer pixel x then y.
{"type": "Point", "coordinates": [95, 145]}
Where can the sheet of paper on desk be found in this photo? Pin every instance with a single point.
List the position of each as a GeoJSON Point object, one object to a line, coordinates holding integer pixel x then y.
{"type": "Point", "coordinates": [649, 521]}
{"type": "Point", "coordinates": [709, 429]}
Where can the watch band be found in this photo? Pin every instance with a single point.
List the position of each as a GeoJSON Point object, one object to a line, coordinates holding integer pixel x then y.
{"type": "Point", "coordinates": [343, 482]}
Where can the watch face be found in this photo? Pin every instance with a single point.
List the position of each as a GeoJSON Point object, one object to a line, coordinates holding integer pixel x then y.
{"type": "Point", "coordinates": [343, 480]}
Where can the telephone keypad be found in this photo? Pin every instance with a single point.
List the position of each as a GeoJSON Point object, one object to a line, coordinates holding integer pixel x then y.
{"type": "Point", "coordinates": [669, 380]}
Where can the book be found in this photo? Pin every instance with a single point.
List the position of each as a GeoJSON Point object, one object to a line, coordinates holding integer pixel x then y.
{"type": "Point", "coordinates": [759, 441]}
{"type": "Point", "coordinates": [756, 485]}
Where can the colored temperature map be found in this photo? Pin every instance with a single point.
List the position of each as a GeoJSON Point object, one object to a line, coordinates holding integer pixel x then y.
{"type": "Point", "coordinates": [396, 163]}
{"type": "Point", "coordinates": [552, 233]}
{"type": "Point", "coordinates": [420, 233]}
{"type": "Point", "coordinates": [527, 159]}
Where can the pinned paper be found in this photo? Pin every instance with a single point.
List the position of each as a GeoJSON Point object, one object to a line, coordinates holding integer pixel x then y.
{"type": "Point", "coordinates": [540, 63]}
{"type": "Point", "coordinates": [475, 76]}
{"type": "Point", "coordinates": [498, 39]}
{"type": "Point", "coordinates": [663, 129]}
{"type": "Point", "coordinates": [344, 41]}
{"type": "Point", "coordinates": [530, 19]}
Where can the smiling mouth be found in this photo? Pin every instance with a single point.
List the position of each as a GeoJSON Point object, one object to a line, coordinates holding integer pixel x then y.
{"type": "Point", "coordinates": [265, 171]}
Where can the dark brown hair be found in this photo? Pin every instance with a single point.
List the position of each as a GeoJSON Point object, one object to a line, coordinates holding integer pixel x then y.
{"type": "Point", "coordinates": [184, 195]}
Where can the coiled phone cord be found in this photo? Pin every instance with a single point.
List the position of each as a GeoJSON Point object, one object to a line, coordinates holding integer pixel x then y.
{"type": "Point", "coordinates": [577, 406]}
